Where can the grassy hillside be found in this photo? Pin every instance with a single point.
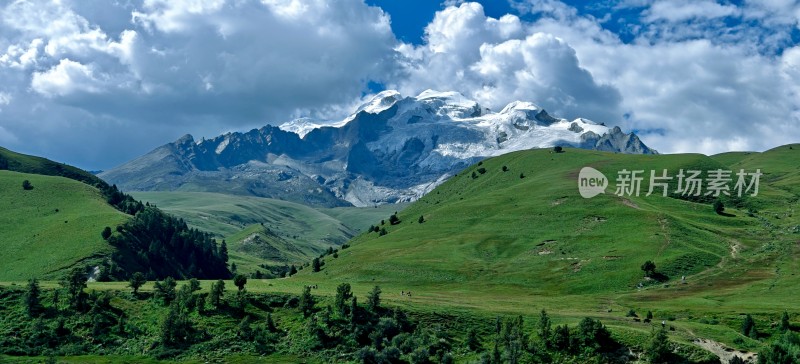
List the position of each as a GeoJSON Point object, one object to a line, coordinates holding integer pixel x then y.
{"type": "Point", "coordinates": [266, 231]}
{"type": "Point", "coordinates": [18, 162]}
{"type": "Point", "coordinates": [52, 227]}
{"type": "Point", "coordinates": [502, 243]}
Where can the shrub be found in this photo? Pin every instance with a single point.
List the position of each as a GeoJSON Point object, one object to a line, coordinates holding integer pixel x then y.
{"type": "Point", "coordinates": [719, 208]}
{"type": "Point", "coordinates": [26, 185]}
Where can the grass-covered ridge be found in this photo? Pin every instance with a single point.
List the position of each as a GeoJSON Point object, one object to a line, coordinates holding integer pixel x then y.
{"type": "Point", "coordinates": [111, 245]}
{"type": "Point", "coordinates": [51, 227]}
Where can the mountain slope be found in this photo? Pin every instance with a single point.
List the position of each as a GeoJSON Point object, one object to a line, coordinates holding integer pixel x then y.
{"type": "Point", "coordinates": [52, 227]}
{"type": "Point", "coordinates": [139, 238]}
{"type": "Point", "coordinates": [498, 239]}
{"type": "Point", "coordinates": [391, 149]}
{"type": "Point", "coordinates": [266, 231]}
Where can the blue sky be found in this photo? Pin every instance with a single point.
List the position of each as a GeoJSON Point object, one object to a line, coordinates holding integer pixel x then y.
{"type": "Point", "coordinates": [97, 83]}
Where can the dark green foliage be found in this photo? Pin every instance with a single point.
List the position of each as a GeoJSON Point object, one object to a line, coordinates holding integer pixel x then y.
{"type": "Point", "coordinates": [631, 313]}
{"type": "Point", "coordinates": [394, 220]}
{"type": "Point", "coordinates": [736, 360]}
{"type": "Point", "coordinates": [473, 342]}
{"type": "Point", "coordinates": [649, 315]}
{"type": "Point", "coordinates": [155, 241]}
{"type": "Point", "coordinates": [649, 268]}
{"type": "Point", "coordinates": [785, 325]}
{"type": "Point", "coordinates": [137, 280]}
{"type": "Point", "coordinates": [74, 283]}
{"type": "Point", "coordinates": [217, 291]}
{"type": "Point", "coordinates": [786, 350]}
{"type": "Point", "coordinates": [165, 290]}
{"type": "Point", "coordinates": [749, 327]}
{"type": "Point", "coordinates": [176, 329]}
{"type": "Point", "coordinates": [658, 348]}
{"type": "Point", "coordinates": [719, 207]}
{"type": "Point", "coordinates": [271, 324]}
{"type": "Point", "coordinates": [315, 265]}
{"type": "Point", "coordinates": [340, 303]}
{"type": "Point", "coordinates": [306, 302]}
{"type": "Point", "coordinates": [545, 328]}
{"type": "Point", "coordinates": [558, 149]}
{"type": "Point", "coordinates": [421, 219]}
{"type": "Point", "coordinates": [292, 270]}
{"type": "Point", "coordinates": [561, 338]}
{"type": "Point", "coordinates": [194, 285]}
{"type": "Point", "coordinates": [521, 175]}
{"type": "Point", "coordinates": [240, 300]}
{"type": "Point", "coordinates": [106, 233]}
{"type": "Point", "coordinates": [374, 299]}
{"type": "Point", "coordinates": [482, 170]}
{"type": "Point", "coordinates": [474, 175]}
{"type": "Point", "coordinates": [239, 281]}
{"type": "Point", "coordinates": [26, 185]}
{"type": "Point", "coordinates": [592, 335]}
{"type": "Point", "coordinates": [505, 169]}
{"type": "Point", "coordinates": [31, 299]}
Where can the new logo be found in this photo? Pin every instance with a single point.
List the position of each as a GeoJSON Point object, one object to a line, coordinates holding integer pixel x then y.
{"type": "Point", "coordinates": [591, 182]}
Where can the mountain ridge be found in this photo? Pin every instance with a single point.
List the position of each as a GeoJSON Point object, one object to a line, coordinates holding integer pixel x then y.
{"type": "Point", "coordinates": [391, 149]}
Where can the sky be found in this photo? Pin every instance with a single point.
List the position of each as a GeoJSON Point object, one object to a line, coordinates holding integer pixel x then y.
{"type": "Point", "coordinates": [95, 83]}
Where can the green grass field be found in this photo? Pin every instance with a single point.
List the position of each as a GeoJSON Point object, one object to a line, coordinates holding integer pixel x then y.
{"type": "Point", "coordinates": [52, 227]}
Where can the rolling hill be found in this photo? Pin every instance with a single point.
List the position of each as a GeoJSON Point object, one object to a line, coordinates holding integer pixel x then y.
{"type": "Point", "coordinates": [52, 227]}
{"type": "Point", "coordinates": [496, 242]}
{"type": "Point", "coordinates": [38, 240]}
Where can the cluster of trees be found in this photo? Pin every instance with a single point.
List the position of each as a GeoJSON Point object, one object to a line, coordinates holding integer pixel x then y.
{"type": "Point", "coordinates": [70, 321]}
{"type": "Point", "coordinates": [162, 245]}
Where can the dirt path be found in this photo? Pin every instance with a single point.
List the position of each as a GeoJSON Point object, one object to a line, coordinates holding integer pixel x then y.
{"type": "Point", "coordinates": [724, 353]}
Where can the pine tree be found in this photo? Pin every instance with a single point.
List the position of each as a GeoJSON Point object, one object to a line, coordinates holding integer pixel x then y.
{"type": "Point", "coordinates": [306, 302]}
{"type": "Point", "coordinates": [32, 303]}
{"type": "Point", "coordinates": [315, 265]}
{"type": "Point", "coordinates": [472, 341]}
{"type": "Point", "coordinates": [240, 280]}
{"type": "Point", "coordinates": [785, 326]}
{"type": "Point", "coordinates": [217, 291]}
{"type": "Point", "coordinates": [223, 252]}
{"type": "Point", "coordinates": [421, 219]}
{"type": "Point", "coordinates": [292, 270]}
{"type": "Point", "coordinates": [75, 282]}
{"type": "Point", "coordinates": [374, 299]}
{"type": "Point", "coordinates": [545, 327]}
{"type": "Point", "coordinates": [165, 290]}
{"type": "Point", "coordinates": [343, 293]}
{"type": "Point", "coordinates": [748, 325]}
{"type": "Point", "coordinates": [137, 280]}
{"type": "Point", "coordinates": [658, 348]}
{"type": "Point", "coordinates": [26, 185]}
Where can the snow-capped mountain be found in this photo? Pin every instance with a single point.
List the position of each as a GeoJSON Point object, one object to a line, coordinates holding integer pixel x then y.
{"type": "Point", "coordinates": [393, 148]}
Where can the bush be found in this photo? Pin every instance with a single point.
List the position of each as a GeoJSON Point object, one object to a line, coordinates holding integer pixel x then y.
{"type": "Point", "coordinates": [106, 233]}
{"type": "Point", "coordinates": [658, 348]}
{"type": "Point", "coordinates": [719, 208]}
{"type": "Point", "coordinates": [649, 268]}
{"type": "Point", "coordinates": [558, 149]}
{"type": "Point", "coordinates": [26, 185]}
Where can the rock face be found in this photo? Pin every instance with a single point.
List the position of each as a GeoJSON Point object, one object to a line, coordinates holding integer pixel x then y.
{"type": "Point", "coordinates": [391, 149]}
